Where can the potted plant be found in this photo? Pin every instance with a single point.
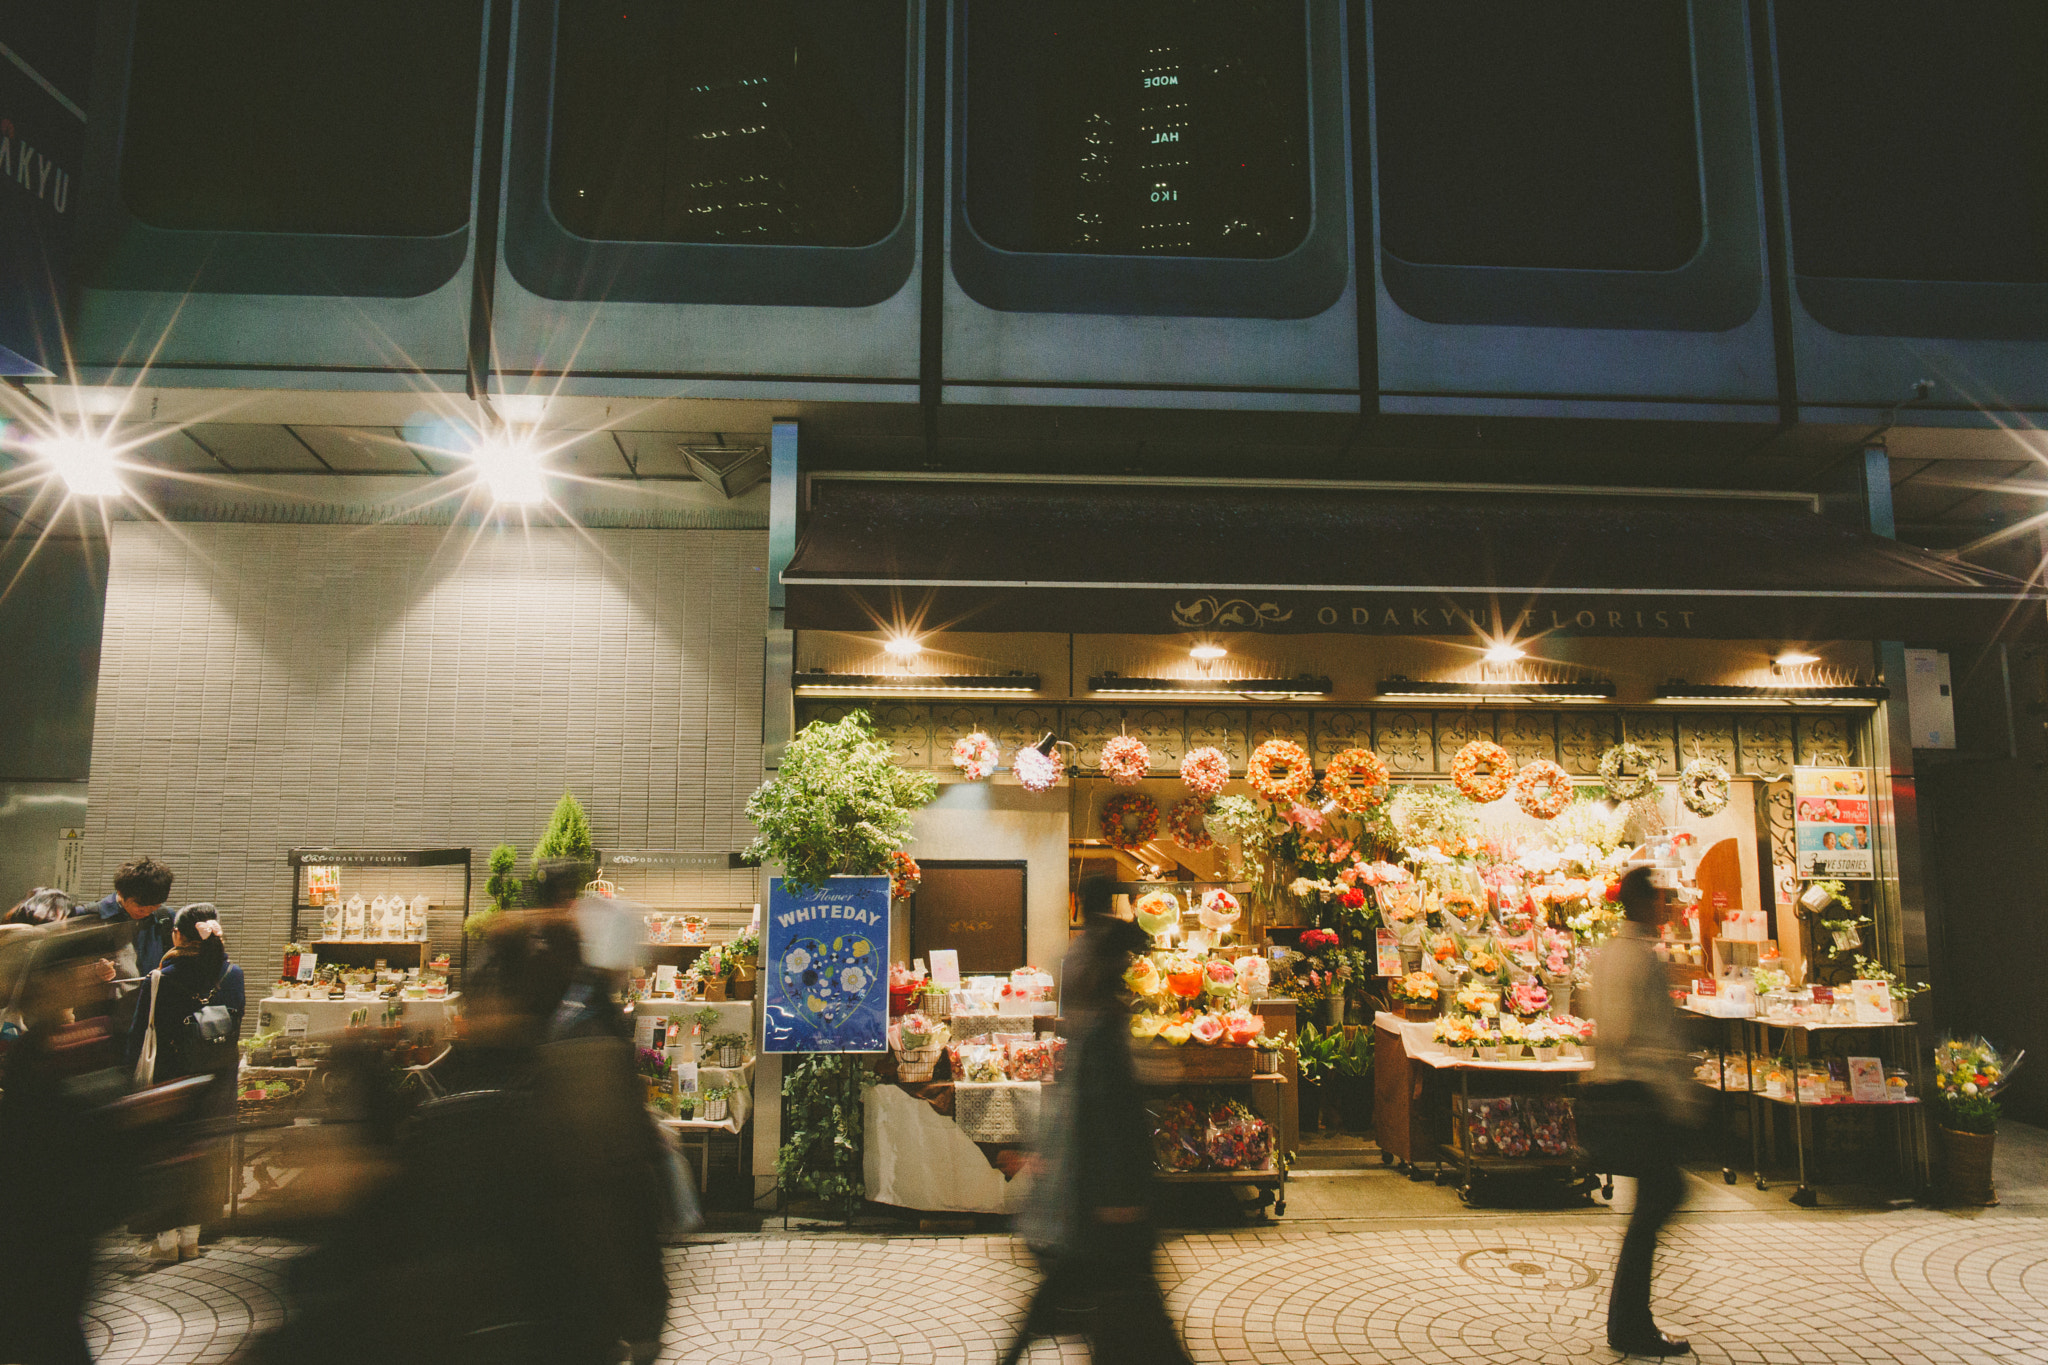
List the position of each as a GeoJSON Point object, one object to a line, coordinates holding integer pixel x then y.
{"type": "Point", "coordinates": [714, 1103]}
{"type": "Point", "coordinates": [740, 957]}
{"type": "Point", "coordinates": [839, 804]}
{"type": "Point", "coordinates": [501, 886]}
{"type": "Point", "coordinates": [1968, 1074]}
{"type": "Point", "coordinates": [1416, 994]}
{"type": "Point", "coordinates": [1316, 1049]}
{"type": "Point", "coordinates": [1350, 1082]}
{"type": "Point", "coordinates": [729, 1048]}
{"type": "Point", "coordinates": [1902, 992]}
{"type": "Point", "coordinates": [567, 836]}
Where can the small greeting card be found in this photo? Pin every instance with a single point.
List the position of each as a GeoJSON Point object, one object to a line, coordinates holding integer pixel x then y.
{"type": "Point", "coordinates": [1387, 949]}
{"type": "Point", "coordinates": [946, 968]}
{"type": "Point", "coordinates": [1866, 1080]}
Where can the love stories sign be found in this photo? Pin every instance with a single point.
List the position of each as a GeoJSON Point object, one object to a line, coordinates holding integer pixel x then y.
{"type": "Point", "coordinates": [825, 967]}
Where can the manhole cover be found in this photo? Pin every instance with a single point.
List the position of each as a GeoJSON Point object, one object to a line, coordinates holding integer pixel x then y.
{"type": "Point", "coordinates": [1523, 1268]}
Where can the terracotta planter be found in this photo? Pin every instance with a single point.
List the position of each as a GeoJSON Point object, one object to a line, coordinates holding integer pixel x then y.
{"type": "Point", "coordinates": [1965, 1177]}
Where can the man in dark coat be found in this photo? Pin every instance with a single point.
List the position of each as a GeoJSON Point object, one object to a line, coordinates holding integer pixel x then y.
{"type": "Point", "coordinates": [1090, 1221]}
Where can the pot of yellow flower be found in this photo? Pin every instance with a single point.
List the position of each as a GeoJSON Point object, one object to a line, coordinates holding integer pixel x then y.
{"type": "Point", "coordinates": [1968, 1074]}
{"type": "Point", "coordinates": [1416, 994]}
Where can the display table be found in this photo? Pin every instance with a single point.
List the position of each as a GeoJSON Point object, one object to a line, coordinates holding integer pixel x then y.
{"type": "Point", "coordinates": [917, 1158]}
{"type": "Point", "coordinates": [329, 1016]}
{"type": "Point", "coordinates": [734, 1016]}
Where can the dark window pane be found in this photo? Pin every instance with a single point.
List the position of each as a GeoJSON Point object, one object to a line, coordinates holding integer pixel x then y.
{"type": "Point", "coordinates": [353, 117]}
{"type": "Point", "coordinates": [1165, 127]}
{"type": "Point", "coordinates": [773, 121]}
{"type": "Point", "coordinates": [1916, 138]}
{"type": "Point", "coordinates": [1537, 133]}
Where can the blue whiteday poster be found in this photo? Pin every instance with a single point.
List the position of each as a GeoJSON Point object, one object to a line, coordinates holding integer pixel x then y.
{"type": "Point", "coordinates": [825, 967]}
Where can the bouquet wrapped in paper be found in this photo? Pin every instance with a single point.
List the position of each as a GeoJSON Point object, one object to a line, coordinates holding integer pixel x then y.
{"type": "Point", "coordinates": [1254, 974]}
{"type": "Point", "coordinates": [1237, 1139]}
{"type": "Point", "coordinates": [1158, 913]}
{"type": "Point", "coordinates": [1180, 1135]}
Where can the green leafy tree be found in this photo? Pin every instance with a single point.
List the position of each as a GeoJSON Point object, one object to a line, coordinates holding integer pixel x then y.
{"type": "Point", "coordinates": [839, 804]}
{"type": "Point", "coordinates": [501, 886]}
{"type": "Point", "coordinates": [568, 834]}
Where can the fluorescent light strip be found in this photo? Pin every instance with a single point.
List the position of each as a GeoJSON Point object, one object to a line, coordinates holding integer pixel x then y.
{"type": "Point", "coordinates": [1721, 695]}
{"type": "Point", "coordinates": [1019, 684]}
{"type": "Point", "coordinates": [1111, 684]}
{"type": "Point", "coordinates": [1404, 689]}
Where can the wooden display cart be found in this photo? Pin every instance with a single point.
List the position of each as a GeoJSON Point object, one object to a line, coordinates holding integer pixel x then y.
{"type": "Point", "coordinates": [1163, 1067]}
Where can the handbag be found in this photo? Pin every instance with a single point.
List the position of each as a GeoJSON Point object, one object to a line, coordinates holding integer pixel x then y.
{"type": "Point", "coordinates": [210, 1033]}
{"type": "Point", "coordinates": [145, 1065]}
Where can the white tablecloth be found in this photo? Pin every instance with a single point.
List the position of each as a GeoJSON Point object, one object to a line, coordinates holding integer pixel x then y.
{"type": "Point", "coordinates": [917, 1158]}
{"type": "Point", "coordinates": [331, 1016]}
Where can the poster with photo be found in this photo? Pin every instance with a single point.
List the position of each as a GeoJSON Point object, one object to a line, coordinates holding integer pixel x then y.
{"type": "Point", "coordinates": [1831, 822]}
{"type": "Point", "coordinates": [824, 971]}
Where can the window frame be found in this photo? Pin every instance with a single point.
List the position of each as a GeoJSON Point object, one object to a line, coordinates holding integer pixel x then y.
{"type": "Point", "coordinates": [548, 260]}
{"type": "Point", "coordinates": [1305, 282]}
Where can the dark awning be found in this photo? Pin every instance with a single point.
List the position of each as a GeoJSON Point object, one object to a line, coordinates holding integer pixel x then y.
{"type": "Point", "coordinates": [1151, 559]}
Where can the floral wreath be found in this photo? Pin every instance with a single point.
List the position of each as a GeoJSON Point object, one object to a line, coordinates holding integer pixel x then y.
{"type": "Point", "coordinates": [1036, 772]}
{"type": "Point", "coordinates": [1703, 787]}
{"type": "Point", "coordinates": [1204, 771]}
{"type": "Point", "coordinates": [976, 755]}
{"type": "Point", "coordinates": [1125, 760]}
{"type": "Point", "coordinates": [1120, 808]}
{"type": "Point", "coordinates": [904, 875]}
{"type": "Point", "coordinates": [1357, 780]}
{"type": "Point", "coordinates": [1542, 789]}
{"type": "Point", "coordinates": [1634, 756]}
{"type": "Point", "coordinates": [1280, 771]}
{"type": "Point", "coordinates": [1481, 771]}
{"type": "Point", "coordinates": [1184, 823]}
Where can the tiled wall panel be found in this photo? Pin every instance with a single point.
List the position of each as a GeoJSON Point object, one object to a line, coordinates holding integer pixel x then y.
{"type": "Point", "coordinates": [270, 686]}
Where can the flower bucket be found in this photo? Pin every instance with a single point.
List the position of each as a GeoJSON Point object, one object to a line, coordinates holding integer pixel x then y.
{"type": "Point", "coordinates": [1309, 1098]}
{"type": "Point", "coordinates": [916, 1063]}
{"type": "Point", "coordinates": [1547, 1053]}
{"type": "Point", "coordinates": [1330, 1011]}
{"type": "Point", "coordinates": [731, 1057]}
{"type": "Point", "coordinates": [712, 1111]}
{"type": "Point", "coordinates": [1965, 1177]}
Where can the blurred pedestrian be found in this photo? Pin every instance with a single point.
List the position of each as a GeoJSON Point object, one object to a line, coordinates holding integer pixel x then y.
{"type": "Point", "coordinates": [1089, 1221]}
{"type": "Point", "coordinates": [44, 905]}
{"type": "Point", "coordinates": [1641, 1098]}
{"type": "Point", "coordinates": [187, 1025]}
{"type": "Point", "coordinates": [142, 887]}
{"type": "Point", "coordinates": [522, 1222]}
{"type": "Point", "coordinates": [59, 1143]}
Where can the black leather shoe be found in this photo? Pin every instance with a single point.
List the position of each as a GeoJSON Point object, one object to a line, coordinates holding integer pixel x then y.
{"type": "Point", "coordinates": [1654, 1344]}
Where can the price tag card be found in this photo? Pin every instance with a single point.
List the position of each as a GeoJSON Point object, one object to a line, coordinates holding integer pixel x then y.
{"type": "Point", "coordinates": [1387, 949]}
{"type": "Point", "coordinates": [1823, 995]}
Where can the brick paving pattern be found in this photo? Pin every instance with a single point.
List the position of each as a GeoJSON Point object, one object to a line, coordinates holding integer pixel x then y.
{"type": "Point", "coordinates": [1790, 1288]}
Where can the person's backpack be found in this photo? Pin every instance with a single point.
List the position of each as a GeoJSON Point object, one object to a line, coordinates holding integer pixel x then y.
{"type": "Point", "coordinates": [207, 1035]}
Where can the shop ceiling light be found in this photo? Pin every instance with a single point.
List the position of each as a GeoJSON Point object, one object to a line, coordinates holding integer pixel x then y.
{"type": "Point", "coordinates": [1208, 653]}
{"type": "Point", "coordinates": [1408, 689]}
{"type": "Point", "coordinates": [1256, 689]}
{"type": "Point", "coordinates": [902, 647]}
{"type": "Point", "coordinates": [1679, 693]}
{"type": "Point", "coordinates": [1792, 658]}
{"type": "Point", "coordinates": [1504, 654]}
{"type": "Point", "coordinates": [510, 468]}
{"type": "Point", "coordinates": [817, 681]}
{"type": "Point", "coordinates": [85, 464]}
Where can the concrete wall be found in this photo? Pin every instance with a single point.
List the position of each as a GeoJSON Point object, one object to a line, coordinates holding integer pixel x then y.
{"type": "Point", "coordinates": [264, 687]}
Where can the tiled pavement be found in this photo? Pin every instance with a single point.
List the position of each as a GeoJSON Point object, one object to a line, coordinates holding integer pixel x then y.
{"type": "Point", "coordinates": [1760, 1289]}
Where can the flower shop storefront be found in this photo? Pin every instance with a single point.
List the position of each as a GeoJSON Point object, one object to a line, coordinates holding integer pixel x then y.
{"type": "Point", "coordinates": [1374, 830]}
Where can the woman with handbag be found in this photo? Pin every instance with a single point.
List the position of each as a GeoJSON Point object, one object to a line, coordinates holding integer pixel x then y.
{"type": "Point", "coordinates": [188, 1025]}
{"type": "Point", "coordinates": [1641, 1099]}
